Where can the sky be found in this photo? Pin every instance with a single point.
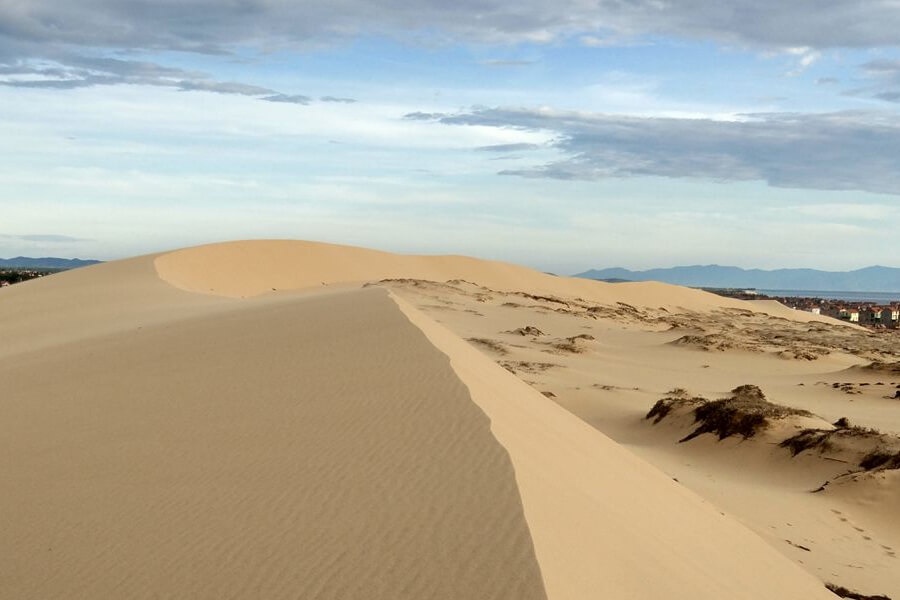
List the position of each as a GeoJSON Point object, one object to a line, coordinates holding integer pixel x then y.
{"type": "Point", "coordinates": [562, 135]}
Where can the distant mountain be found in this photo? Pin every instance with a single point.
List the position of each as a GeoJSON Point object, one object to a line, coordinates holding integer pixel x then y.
{"type": "Point", "coordinates": [25, 262]}
{"type": "Point", "coordinates": [869, 279]}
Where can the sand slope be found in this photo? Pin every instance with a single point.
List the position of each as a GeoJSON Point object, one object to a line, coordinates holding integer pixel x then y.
{"type": "Point", "coordinates": [160, 442]}
{"type": "Point", "coordinates": [250, 268]}
{"type": "Point", "coordinates": [610, 364]}
{"type": "Point", "coordinates": [283, 451]}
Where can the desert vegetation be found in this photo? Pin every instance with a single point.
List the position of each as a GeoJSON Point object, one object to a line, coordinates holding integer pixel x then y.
{"type": "Point", "coordinates": [745, 412]}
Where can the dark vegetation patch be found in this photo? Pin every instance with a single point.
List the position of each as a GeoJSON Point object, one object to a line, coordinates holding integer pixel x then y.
{"type": "Point", "coordinates": [808, 439]}
{"type": "Point", "coordinates": [461, 281]}
{"type": "Point", "coordinates": [745, 413]}
{"type": "Point", "coordinates": [489, 344]}
{"type": "Point", "coordinates": [880, 459]}
{"type": "Point", "coordinates": [881, 456]}
{"type": "Point", "coordinates": [675, 398]}
{"type": "Point", "coordinates": [845, 593]}
{"type": "Point", "coordinates": [515, 366]}
{"type": "Point", "coordinates": [825, 440]}
{"type": "Point", "coordinates": [847, 388]}
{"type": "Point", "coordinates": [404, 281]}
{"type": "Point", "coordinates": [551, 299]}
{"type": "Point", "coordinates": [890, 368]}
{"type": "Point", "coordinates": [527, 330]}
{"type": "Point", "coordinates": [629, 309]}
{"type": "Point", "coordinates": [717, 342]}
{"type": "Point", "coordinates": [570, 344]}
{"type": "Point", "coordinates": [801, 353]}
{"type": "Point", "coordinates": [606, 387]}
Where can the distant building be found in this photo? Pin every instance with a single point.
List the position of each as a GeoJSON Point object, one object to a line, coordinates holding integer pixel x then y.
{"type": "Point", "coordinates": [815, 310]}
{"type": "Point", "coordinates": [849, 314]}
{"type": "Point", "coordinates": [890, 316]}
{"type": "Point", "coordinates": [869, 316]}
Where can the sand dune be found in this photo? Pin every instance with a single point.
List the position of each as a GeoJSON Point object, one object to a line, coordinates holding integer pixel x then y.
{"type": "Point", "coordinates": [250, 268]}
{"type": "Point", "coordinates": [285, 450]}
{"type": "Point", "coordinates": [847, 534]}
{"type": "Point", "coordinates": [175, 428]}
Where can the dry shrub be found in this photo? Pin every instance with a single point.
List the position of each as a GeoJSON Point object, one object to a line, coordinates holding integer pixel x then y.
{"type": "Point", "coordinates": [845, 593]}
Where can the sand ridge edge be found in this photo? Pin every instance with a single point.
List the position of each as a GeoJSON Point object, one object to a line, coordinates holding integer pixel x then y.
{"type": "Point", "coordinates": [603, 521]}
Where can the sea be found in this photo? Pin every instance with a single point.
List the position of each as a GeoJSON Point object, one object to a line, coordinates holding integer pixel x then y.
{"type": "Point", "coordinates": [876, 297]}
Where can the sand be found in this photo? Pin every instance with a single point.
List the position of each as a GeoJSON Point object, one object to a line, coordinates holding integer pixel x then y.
{"type": "Point", "coordinates": [281, 451]}
{"type": "Point", "coordinates": [610, 365]}
{"type": "Point", "coordinates": [175, 427]}
{"type": "Point", "coordinates": [250, 268]}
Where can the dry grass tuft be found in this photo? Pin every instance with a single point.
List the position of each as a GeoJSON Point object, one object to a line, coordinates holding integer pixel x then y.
{"type": "Point", "coordinates": [845, 593]}
{"type": "Point", "coordinates": [489, 344]}
{"type": "Point", "coordinates": [676, 398]}
{"type": "Point", "coordinates": [744, 413]}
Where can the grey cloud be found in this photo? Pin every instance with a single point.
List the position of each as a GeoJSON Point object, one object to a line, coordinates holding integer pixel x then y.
{"type": "Point", "coordinates": [886, 76]}
{"type": "Point", "coordinates": [212, 26]}
{"type": "Point", "coordinates": [25, 69]}
{"type": "Point", "coordinates": [337, 99]}
{"type": "Point", "coordinates": [882, 67]}
{"type": "Point", "coordinates": [70, 71]}
{"type": "Point", "coordinates": [62, 84]}
{"type": "Point", "coordinates": [508, 147]}
{"type": "Point", "coordinates": [80, 72]}
{"type": "Point", "coordinates": [836, 151]}
{"type": "Point", "coordinates": [288, 99]}
{"type": "Point", "coordinates": [888, 96]}
{"type": "Point", "coordinates": [827, 81]}
{"type": "Point", "coordinates": [128, 68]}
{"type": "Point", "coordinates": [223, 87]}
{"type": "Point", "coordinates": [423, 116]}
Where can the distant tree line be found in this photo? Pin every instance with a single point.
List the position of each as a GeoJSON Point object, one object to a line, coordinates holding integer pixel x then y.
{"type": "Point", "coordinates": [18, 275]}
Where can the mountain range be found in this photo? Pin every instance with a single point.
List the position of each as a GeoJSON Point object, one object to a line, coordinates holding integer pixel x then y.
{"type": "Point", "coordinates": [48, 262]}
{"type": "Point", "coordinates": [868, 279]}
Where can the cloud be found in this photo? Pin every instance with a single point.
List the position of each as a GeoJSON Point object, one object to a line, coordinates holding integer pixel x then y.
{"type": "Point", "coordinates": [883, 67]}
{"type": "Point", "coordinates": [213, 27]}
{"type": "Point", "coordinates": [806, 58]}
{"type": "Point", "coordinates": [229, 87]}
{"type": "Point", "coordinates": [67, 71]}
{"type": "Point", "coordinates": [289, 99]}
{"type": "Point", "coordinates": [508, 147]}
{"type": "Point", "coordinates": [338, 100]}
{"type": "Point", "coordinates": [593, 41]}
{"type": "Point", "coordinates": [70, 71]}
{"type": "Point", "coordinates": [885, 74]}
{"type": "Point", "coordinates": [44, 237]}
{"type": "Point", "coordinates": [888, 96]}
{"type": "Point", "coordinates": [832, 151]}
{"type": "Point", "coordinates": [423, 116]}
{"type": "Point", "coordinates": [827, 81]}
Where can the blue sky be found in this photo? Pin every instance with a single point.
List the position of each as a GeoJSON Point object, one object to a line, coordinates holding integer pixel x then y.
{"type": "Point", "coordinates": [577, 135]}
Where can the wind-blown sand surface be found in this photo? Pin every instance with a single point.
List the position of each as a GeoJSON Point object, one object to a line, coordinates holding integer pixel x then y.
{"type": "Point", "coordinates": [610, 363]}
{"type": "Point", "coordinates": [175, 428]}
